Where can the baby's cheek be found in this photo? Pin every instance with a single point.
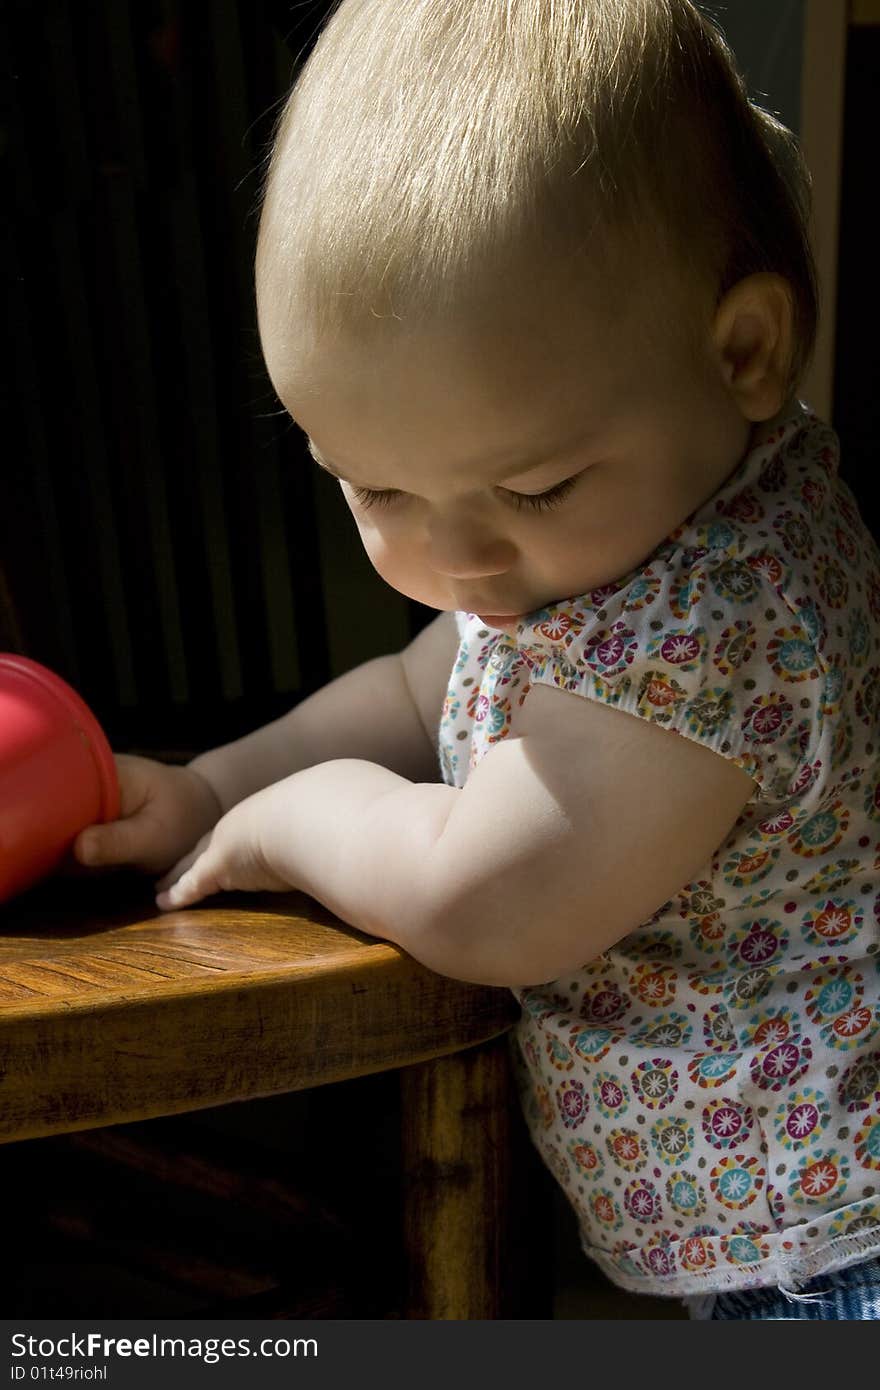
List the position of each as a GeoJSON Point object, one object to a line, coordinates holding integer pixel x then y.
{"type": "Point", "coordinates": [389, 557]}
{"type": "Point", "coordinates": [383, 554]}
{"type": "Point", "coordinates": [403, 567]}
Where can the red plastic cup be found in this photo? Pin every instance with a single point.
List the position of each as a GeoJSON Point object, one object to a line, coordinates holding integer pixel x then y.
{"type": "Point", "coordinates": [57, 773]}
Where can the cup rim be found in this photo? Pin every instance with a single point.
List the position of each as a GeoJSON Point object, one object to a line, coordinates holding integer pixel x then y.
{"type": "Point", "coordinates": [83, 717]}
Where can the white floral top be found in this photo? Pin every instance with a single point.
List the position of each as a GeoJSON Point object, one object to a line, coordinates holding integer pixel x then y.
{"type": "Point", "coordinates": [707, 1092]}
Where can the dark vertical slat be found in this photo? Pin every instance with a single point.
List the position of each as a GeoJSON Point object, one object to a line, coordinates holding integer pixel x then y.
{"type": "Point", "coordinates": [89, 452]}
{"type": "Point", "coordinates": [227, 317]}
{"type": "Point", "coordinates": [70, 171]}
{"type": "Point", "coordinates": [135, 335]}
{"type": "Point", "coordinates": [277, 589]}
{"type": "Point", "coordinates": [137, 439]}
{"type": "Point", "coordinates": [269, 70]}
{"type": "Point", "coordinates": [232, 131]}
{"type": "Point", "coordinates": [31, 524]}
{"type": "Point", "coordinates": [183, 361]}
{"type": "Point", "coordinates": [198, 384]}
{"type": "Point", "coordinates": [207, 586]}
{"type": "Point", "coordinates": [11, 635]}
{"type": "Point", "coordinates": [235, 161]}
{"type": "Point", "coordinates": [85, 440]}
{"type": "Point", "coordinates": [18, 78]}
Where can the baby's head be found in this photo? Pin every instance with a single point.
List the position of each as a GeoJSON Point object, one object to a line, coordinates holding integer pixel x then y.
{"type": "Point", "coordinates": [527, 275]}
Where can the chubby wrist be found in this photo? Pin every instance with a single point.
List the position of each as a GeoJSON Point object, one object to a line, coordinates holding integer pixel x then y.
{"type": "Point", "coordinates": [207, 768]}
{"type": "Point", "coordinates": [205, 791]}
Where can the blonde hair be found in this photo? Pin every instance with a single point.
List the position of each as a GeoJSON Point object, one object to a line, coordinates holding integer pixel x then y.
{"type": "Point", "coordinates": [427, 143]}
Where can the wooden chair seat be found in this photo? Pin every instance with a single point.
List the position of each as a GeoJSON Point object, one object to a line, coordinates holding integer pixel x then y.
{"type": "Point", "coordinates": [112, 1012]}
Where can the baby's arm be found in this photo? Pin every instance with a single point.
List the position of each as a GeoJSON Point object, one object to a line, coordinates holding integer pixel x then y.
{"type": "Point", "coordinates": [564, 839]}
{"type": "Point", "coordinates": [386, 711]}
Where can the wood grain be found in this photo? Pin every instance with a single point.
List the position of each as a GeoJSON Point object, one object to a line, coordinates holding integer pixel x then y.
{"type": "Point", "coordinates": [456, 1144]}
{"type": "Point", "coordinates": [111, 1011]}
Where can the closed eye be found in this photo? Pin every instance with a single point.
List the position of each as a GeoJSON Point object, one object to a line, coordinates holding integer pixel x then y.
{"type": "Point", "coordinates": [370, 497]}
{"type": "Point", "coordinates": [536, 501]}
{"type": "Point", "coordinates": [543, 501]}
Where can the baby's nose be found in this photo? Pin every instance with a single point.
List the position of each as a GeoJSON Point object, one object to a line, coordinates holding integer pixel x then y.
{"type": "Point", "coordinates": [461, 551]}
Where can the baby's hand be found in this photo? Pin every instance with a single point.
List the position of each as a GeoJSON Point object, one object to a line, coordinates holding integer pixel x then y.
{"type": "Point", "coordinates": [230, 857]}
{"type": "Point", "coordinates": [163, 811]}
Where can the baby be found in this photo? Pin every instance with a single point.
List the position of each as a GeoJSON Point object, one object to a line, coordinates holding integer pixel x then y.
{"type": "Point", "coordinates": [534, 280]}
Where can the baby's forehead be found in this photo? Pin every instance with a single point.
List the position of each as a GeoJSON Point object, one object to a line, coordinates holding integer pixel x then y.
{"type": "Point", "coordinates": [622, 298]}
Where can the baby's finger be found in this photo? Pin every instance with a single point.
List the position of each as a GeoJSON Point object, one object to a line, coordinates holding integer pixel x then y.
{"type": "Point", "coordinates": [180, 868]}
{"type": "Point", "coordinates": [118, 842]}
{"type": "Point", "coordinates": [198, 882]}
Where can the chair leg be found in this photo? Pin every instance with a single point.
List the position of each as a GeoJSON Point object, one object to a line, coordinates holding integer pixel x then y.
{"type": "Point", "coordinates": [456, 1130]}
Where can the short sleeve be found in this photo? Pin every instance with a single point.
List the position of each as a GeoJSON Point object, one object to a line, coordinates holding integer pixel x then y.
{"type": "Point", "coordinates": [704, 644]}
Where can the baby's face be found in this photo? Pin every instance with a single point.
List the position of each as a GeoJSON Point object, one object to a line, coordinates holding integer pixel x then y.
{"type": "Point", "coordinates": [528, 456]}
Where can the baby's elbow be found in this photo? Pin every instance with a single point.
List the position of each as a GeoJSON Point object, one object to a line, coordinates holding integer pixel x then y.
{"type": "Point", "coordinates": [476, 961]}
{"type": "Point", "coordinates": [489, 943]}
{"type": "Point", "coordinates": [504, 924]}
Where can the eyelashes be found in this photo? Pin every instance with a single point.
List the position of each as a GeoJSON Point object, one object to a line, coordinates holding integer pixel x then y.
{"type": "Point", "coordinates": [543, 501]}
{"type": "Point", "coordinates": [537, 502]}
{"type": "Point", "coordinates": [366, 497]}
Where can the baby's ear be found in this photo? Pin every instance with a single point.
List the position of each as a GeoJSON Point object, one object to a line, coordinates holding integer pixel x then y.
{"type": "Point", "coordinates": [753, 334]}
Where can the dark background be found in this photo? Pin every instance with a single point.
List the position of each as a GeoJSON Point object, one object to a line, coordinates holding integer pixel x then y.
{"type": "Point", "coordinates": [165, 544]}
